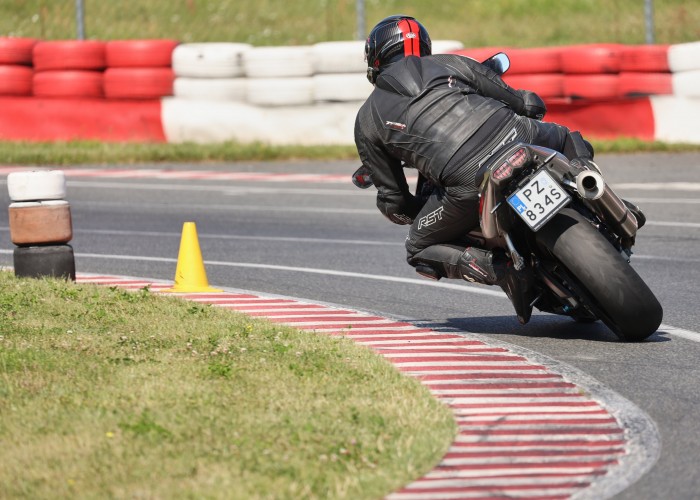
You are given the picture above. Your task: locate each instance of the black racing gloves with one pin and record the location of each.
(533, 105)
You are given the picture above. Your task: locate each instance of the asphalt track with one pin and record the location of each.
(317, 238)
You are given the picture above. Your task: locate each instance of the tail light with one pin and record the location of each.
(517, 160)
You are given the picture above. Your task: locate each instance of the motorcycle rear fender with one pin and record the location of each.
(493, 226)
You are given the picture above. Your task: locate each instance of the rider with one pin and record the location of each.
(444, 115)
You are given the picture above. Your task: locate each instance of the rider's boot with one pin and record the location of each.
(482, 266)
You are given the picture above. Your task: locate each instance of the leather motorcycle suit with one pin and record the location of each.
(444, 115)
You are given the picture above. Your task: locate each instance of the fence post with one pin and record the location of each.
(80, 19)
(360, 9)
(649, 16)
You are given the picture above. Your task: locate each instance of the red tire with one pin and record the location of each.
(641, 84)
(138, 83)
(545, 85)
(16, 80)
(140, 53)
(645, 58)
(591, 59)
(481, 53)
(68, 83)
(69, 55)
(535, 61)
(16, 50)
(591, 86)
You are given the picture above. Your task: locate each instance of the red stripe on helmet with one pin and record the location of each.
(411, 43)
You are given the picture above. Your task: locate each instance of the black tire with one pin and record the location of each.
(627, 305)
(54, 261)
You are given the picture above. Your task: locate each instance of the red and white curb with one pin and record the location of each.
(529, 427)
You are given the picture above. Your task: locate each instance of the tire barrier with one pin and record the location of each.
(69, 55)
(34, 186)
(209, 60)
(138, 83)
(278, 62)
(68, 83)
(686, 84)
(534, 61)
(40, 224)
(270, 92)
(645, 58)
(55, 261)
(591, 87)
(644, 84)
(546, 85)
(684, 57)
(339, 57)
(591, 59)
(139, 53)
(16, 80)
(68, 69)
(573, 80)
(340, 87)
(16, 50)
(217, 89)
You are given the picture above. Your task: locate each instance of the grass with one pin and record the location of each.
(516, 23)
(97, 153)
(112, 394)
(91, 152)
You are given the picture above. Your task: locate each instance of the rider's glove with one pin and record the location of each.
(533, 105)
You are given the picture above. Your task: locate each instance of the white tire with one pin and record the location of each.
(209, 60)
(280, 91)
(339, 57)
(37, 185)
(686, 83)
(446, 46)
(341, 87)
(684, 57)
(217, 89)
(276, 62)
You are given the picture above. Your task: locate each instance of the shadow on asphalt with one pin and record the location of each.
(540, 326)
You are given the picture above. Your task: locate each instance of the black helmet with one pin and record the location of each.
(392, 39)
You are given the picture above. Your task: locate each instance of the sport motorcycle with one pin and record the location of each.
(567, 235)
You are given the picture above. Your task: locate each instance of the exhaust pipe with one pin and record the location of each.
(606, 203)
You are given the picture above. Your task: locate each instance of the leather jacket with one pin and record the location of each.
(422, 110)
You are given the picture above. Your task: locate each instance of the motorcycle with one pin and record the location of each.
(568, 235)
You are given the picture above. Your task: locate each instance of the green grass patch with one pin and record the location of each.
(104, 153)
(106, 393)
(97, 153)
(515, 23)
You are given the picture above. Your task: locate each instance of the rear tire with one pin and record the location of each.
(629, 307)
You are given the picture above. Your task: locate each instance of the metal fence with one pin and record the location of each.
(264, 22)
(360, 31)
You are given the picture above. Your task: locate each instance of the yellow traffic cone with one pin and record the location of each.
(190, 276)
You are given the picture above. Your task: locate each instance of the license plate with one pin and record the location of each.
(539, 200)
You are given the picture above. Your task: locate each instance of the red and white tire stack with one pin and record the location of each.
(16, 70)
(309, 95)
(41, 224)
(612, 90)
